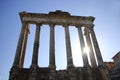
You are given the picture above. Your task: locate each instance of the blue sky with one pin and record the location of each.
(107, 29)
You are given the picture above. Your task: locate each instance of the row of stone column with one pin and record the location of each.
(21, 47)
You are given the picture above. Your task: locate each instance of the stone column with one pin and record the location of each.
(87, 69)
(96, 47)
(89, 44)
(82, 43)
(27, 31)
(52, 47)
(19, 45)
(68, 47)
(102, 69)
(36, 46)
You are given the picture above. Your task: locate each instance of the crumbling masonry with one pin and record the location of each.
(95, 71)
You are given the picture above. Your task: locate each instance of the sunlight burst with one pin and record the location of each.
(86, 49)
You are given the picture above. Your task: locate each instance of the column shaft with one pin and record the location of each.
(19, 45)
(52, 47)
(96, 47)
(82, 43)
(68, 47)
(24, 47)
(89, 44)
(36, 45)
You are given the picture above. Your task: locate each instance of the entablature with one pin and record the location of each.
(57, 17)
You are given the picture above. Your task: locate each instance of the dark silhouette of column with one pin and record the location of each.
(19, 45)
(82, 43)
(96, 47)
(52, 47)
(89, 44)
(24, 46)
(36, 45)
(68, 47)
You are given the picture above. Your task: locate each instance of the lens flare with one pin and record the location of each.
(86, 49)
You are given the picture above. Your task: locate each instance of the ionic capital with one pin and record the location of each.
(86, 31)
(52, 25)
(77, 26)
(24, 22)
(38, 24)
(89, 25)
(65, 25)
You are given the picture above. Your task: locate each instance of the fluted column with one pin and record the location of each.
(82, 43)
(36, 45)
(24, 47)
(19, 45)
(96, 47)
(89, 44)
(52, 47)
(68, 47)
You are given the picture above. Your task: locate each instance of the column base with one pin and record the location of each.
(52, 72)
(34, 67)
(53, 67)
(88, 73)
(33, 72)
(104, 73)
(101, 73)
(14, 72)
(70, 66)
